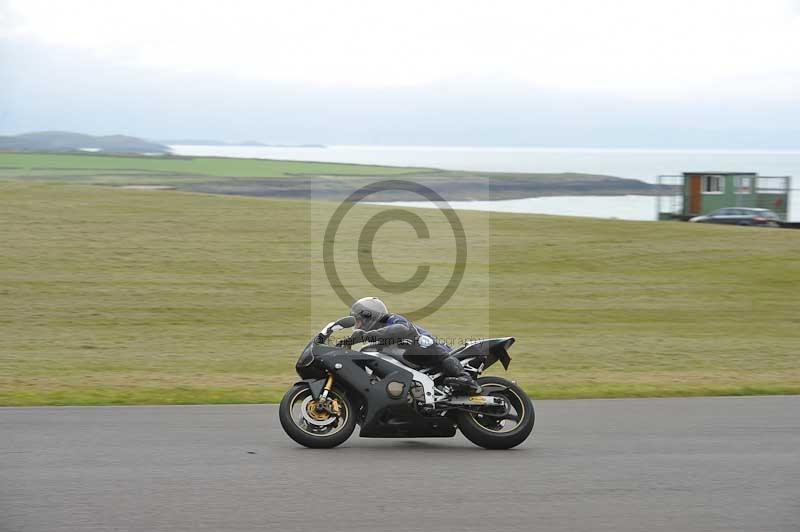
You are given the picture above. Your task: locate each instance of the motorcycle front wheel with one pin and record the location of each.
(309, 426)
(504, 432)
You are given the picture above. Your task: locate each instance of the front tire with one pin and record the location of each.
(316, 433)
(491, 433)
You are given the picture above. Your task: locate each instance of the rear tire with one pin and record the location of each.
(305, 436)
(489, 438)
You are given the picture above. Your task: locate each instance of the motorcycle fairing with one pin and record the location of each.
(368, 375)
(492, 350)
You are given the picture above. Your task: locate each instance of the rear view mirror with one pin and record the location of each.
(346, 322)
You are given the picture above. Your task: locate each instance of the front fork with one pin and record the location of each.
(322, 403)
(327, 388)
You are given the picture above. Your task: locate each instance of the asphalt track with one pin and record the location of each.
(724, 464)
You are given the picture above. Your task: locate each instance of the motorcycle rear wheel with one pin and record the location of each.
(329, 431)
(496, 433)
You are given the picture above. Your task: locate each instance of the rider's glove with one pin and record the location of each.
(356, 337)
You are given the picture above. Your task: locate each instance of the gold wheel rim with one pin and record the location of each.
(323, 415)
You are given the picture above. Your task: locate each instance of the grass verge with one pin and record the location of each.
(138, 297)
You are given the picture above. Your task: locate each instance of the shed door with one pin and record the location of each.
(695, 198)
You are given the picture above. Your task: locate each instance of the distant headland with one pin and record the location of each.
(68, 141)
(214, 142)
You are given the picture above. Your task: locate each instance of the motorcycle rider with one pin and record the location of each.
(375, 324)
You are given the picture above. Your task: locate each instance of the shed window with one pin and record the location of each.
(743, 184)
(713, 184)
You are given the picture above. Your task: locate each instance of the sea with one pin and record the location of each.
(643, 164)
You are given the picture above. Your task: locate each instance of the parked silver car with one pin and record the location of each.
(740, 216)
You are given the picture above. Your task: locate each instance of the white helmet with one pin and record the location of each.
(368, 311)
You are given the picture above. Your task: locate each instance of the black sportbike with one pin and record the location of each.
(390, 397)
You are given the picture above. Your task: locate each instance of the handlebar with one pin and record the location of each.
(329, 329)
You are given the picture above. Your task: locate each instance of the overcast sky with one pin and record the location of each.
(646, 73)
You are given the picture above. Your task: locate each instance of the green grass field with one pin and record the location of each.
(114, 169)
(116, 296)
(275, 178)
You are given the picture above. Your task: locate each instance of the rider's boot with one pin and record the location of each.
(457, 378)
(463, 383)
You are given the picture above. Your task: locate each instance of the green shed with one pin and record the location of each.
(697, 193)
